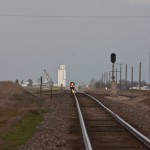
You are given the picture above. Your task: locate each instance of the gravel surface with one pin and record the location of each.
(136, 111)
(53, 132)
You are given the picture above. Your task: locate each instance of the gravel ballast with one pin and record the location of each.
(136, 111)
(53, 133)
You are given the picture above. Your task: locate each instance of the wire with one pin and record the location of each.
(48, 16)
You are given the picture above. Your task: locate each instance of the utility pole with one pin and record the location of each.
(120, 73)
(126, 76)
(107, 79)
(132, 79)
(109, 76)
(116, 76)
(120, 76)
(140, 76)
(104, 80)
(149, 69)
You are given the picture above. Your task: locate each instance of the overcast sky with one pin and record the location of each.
(38, 34)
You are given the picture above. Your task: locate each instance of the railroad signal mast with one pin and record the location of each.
(113, 60)
(113, 83)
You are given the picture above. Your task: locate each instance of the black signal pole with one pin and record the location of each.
(41, 87)
(113, 83)
(113, 60)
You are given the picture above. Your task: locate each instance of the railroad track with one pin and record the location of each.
(101, 131)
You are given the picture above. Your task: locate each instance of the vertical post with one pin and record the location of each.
(107, 79)
(120, 76)
(51, 93)
(149, 69)
(126, 76)
(132, 79)
(113, 83)
(61, 86)
(140, 76)
(104, 80)
(116, 76)
(41, 86)
(113, 77)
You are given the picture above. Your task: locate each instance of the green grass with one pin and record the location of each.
(23, 130)
(5, 115)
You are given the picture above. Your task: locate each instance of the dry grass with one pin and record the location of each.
(122, 92)
(98, 91)
(8, 88)
(137, 97)
(15, 103)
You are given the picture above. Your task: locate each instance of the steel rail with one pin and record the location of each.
(86, 139)
(131, 129)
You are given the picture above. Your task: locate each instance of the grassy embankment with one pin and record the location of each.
(20, 114)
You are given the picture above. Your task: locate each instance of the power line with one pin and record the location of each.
(67, 16)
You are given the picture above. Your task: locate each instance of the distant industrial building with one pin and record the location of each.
(47, 79)
(62, 76)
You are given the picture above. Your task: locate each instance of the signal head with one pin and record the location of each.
(113, 57)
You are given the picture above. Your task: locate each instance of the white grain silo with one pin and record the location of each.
(62, 76)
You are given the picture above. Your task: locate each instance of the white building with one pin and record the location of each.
(62, 76)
